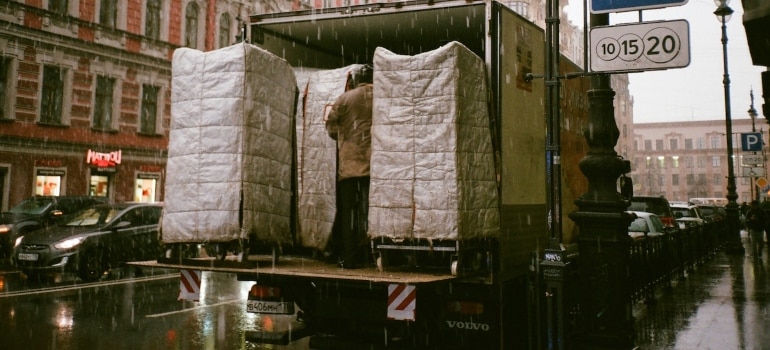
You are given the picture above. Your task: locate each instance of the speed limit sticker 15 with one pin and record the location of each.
(640, 46)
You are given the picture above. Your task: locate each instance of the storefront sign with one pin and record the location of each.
(103, 160)
(146, 176)
(53, 163)
(51, 172)
(150, 168)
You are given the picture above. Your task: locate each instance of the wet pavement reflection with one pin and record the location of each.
(722, 304)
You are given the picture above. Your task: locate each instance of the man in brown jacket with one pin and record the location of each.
(350, 123)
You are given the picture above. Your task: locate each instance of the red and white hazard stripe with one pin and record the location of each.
(402, 301)
(189, 285)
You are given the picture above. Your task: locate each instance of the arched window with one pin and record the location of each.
(191, 26)
(224, 30)
(152, 20)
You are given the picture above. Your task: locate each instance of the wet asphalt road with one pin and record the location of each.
(724, 304)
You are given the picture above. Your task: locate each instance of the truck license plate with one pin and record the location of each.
(28, 256)
(270, 307)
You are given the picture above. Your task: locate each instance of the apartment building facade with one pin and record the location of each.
(683, 160)
(85, 90)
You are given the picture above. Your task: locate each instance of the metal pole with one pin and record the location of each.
(554, 264)
(735, 245)
(606, 320)
(753, 115)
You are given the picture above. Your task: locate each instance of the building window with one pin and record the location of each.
(690, 179)
(688, 144)
(648, 162)
(58, 6)
(636, 145)
(648, 145)
(149, 109)
(520, 7)
(700, 143)
(103, 103)
(701, 162)
(51, 100)
(108, 13)
(661, 180)
(659, 145)
(715, 142)
(715, 161)
(673, 144)
(702, 179)
(6, 87)
(661, 162)
(688, 162)
(675, 161)
(675, 179)
(152, 20)
(717, 179)
(224, 30)
(191, 26)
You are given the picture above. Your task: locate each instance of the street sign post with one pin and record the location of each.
(607, 6)
(752, 159)
(753, 172)
(640, 46)
(751, 141)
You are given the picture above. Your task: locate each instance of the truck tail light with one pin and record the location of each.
(465, 307)
(264, 292)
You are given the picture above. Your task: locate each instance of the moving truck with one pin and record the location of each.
(436, 292)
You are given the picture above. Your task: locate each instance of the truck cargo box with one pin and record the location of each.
(230, 146)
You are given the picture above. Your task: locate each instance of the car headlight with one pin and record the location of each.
(18, 241)
(68, 244)
(5, 228)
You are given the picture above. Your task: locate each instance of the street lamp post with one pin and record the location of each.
(723, 13)
(753, 115)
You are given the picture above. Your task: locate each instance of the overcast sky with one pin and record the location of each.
(695, 92)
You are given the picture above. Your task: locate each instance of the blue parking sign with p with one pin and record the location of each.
(751, 141)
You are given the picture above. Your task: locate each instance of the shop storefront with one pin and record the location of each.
(119, 175)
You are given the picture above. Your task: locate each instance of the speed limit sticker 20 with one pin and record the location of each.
(640, 46)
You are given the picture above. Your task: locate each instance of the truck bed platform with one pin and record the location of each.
(300, 266)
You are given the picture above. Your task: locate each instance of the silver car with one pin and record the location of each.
(93, 241)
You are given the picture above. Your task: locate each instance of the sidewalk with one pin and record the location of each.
(724, 304)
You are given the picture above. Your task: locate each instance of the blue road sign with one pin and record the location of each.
(751, 141)
(607, 6)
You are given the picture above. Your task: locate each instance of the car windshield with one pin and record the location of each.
(32, 206)
(650, 224)
(686, 212)
(639, 225)
(93, 217)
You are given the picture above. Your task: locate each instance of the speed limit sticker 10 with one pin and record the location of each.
(640, 46)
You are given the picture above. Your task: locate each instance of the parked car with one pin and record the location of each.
(645, 225)
(712, 213)
(38, 212)
(93, 241)
(688, 215)
(657, 205)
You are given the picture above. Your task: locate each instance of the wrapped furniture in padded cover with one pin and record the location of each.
(432, 167)
(231, 138)
(317, 156)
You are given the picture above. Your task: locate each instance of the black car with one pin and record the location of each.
(38, 212)
(93, 241)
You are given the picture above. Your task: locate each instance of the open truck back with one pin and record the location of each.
(428, 293)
